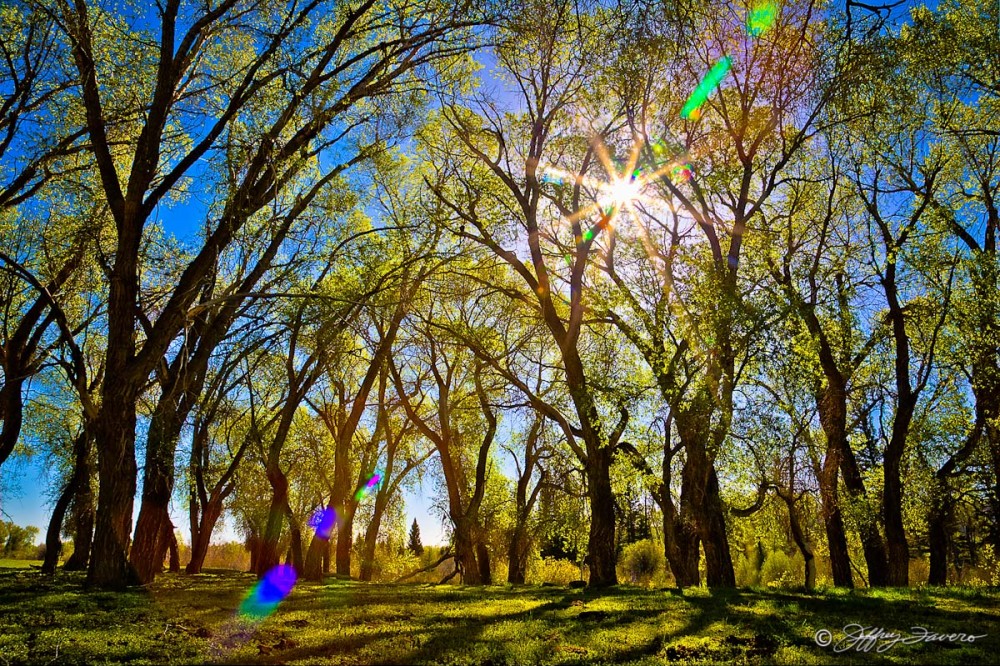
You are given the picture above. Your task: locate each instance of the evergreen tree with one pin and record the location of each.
(414, 545)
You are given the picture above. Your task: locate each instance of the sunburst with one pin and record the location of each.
(625, 187)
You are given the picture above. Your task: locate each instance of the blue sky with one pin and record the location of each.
(28, 487)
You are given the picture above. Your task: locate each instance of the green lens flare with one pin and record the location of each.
(707, 85)
(761, 18)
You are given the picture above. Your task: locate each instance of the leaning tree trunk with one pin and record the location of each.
(150, 545)
(872, 544)
(72, 490)
(53, 544)
(798, 535)
(371, 534)
(82, 521)
(201, 537)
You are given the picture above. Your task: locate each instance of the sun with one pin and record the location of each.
(622, 191)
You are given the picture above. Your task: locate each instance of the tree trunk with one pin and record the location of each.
(517, 555)
(73, 490)
(465, 551)
(876, 557)
(267, 549)
(892, 501)
(171, 540)
(313, 568)
(53, 544)
(253, 546)
(938, 536)
(483, 557)
(12, 408)
(149, 545)
(601, 545)
(719, 570)
(345, 541)
(833, 521)
(82, 520)
(201, 537)
(800, 539)
(371, 536)
(114, 434)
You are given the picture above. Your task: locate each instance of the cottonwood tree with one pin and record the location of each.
(458, 417)
(946, 49)
(297, 86)
(487, 182)
(677, 284)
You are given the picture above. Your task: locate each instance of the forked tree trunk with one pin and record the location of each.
(201, 537)
(149, 545)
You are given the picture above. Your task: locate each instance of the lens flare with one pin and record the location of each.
(681, 173)
(705, 88)
(323, 521)
(761, 18)
(270, 591)
(623, 190)
(370, 485)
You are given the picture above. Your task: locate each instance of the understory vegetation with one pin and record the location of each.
(194, 619)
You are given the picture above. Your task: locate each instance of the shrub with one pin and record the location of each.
(780, 570)
(747, 572)
(551, 570)
(642, 560)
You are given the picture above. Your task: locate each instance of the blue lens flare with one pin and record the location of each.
(270, 591)
(323, 521)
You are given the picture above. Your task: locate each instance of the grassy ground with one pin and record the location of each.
(18, 564)
(184, 619)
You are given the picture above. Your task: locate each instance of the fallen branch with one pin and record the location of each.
(449, 576)
(444, 557)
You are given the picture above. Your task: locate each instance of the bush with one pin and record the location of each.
(747, 572)
(780, 570)
(551, 570)
(641, 561)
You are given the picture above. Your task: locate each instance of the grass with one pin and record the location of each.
(18, 564)
(192, 619)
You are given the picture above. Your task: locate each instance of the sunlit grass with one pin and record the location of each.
(183, 619)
